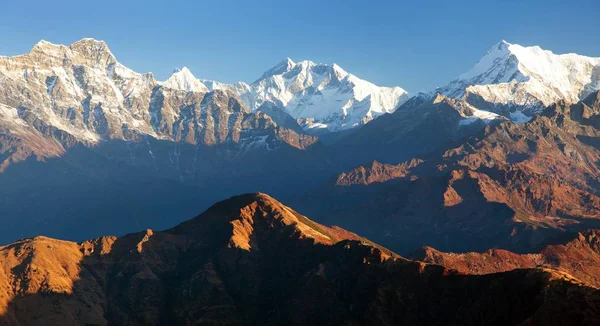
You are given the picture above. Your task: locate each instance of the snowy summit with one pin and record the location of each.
(526, 79)
(323, 97)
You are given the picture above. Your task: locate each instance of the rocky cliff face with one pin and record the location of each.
(251, 260)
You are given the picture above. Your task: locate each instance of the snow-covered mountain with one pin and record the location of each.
(322, 97)
(519, 81)
(58, 96)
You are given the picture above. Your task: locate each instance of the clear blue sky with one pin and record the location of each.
(417, 45)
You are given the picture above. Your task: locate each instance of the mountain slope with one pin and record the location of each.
(510, 186)
(578, 255)
(511, 78)
(251, 260)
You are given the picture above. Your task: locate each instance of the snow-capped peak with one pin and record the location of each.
(183, 79)
(487, 62)
(288, 63)
(283, 66)
(322, 96)
(512, 77)
(184, 70)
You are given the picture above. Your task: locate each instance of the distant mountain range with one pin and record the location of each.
(78, 128)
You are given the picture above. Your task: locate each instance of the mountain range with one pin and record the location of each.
(489, 186)
(77, 128)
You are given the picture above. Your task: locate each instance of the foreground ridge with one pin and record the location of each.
(252, 260)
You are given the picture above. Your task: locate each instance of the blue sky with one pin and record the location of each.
(417, 45)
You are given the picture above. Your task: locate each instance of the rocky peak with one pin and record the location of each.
(374, 172)
(249, 218)
(564, 253)
(586, 112)
(223, 100)
(90, 44)
(96, 52)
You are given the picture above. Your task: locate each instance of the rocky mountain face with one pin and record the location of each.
(511, 186)
(325, 98)
(575, 254)
(251, 260)
(519, 81)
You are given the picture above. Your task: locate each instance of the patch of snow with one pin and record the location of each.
(11, 116)
(518, 117)
(479, 115)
